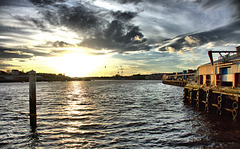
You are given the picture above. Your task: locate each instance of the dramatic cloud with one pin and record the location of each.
(157, 31)
(14, 3)
(144, 1)
(220, 36)
(9, 53)
(6, 30)
(59, 44)
(170, 49)
(79, 18)
(119, 38)
(5, 66)
(124, 16)
(129, 1)
(192, 40)
(117, 35)
(13, 54)
(42, 3)
(32, 22)
(117, 32)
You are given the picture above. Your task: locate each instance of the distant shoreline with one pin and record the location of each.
(18, 76)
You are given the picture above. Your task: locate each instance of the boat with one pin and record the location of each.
(216, 86)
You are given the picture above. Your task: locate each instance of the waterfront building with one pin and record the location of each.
(216, 86)
(223, 72)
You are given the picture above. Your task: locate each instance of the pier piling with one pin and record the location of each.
(223, 101)
(32, 99)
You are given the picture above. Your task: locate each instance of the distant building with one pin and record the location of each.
(15, 72)
(157, 76)
(3, 73)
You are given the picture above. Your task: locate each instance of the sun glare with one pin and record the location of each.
(76, 64)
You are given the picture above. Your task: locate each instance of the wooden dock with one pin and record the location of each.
(175, 82)
(179, 79)
(221, 100)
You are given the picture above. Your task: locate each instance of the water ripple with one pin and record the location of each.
(108, 114)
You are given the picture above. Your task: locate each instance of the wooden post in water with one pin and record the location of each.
(32, 99)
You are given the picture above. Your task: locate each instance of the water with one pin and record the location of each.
(109, 114)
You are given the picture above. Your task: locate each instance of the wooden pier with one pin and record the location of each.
(216, 86)
(180, 78)
(176, 82)
(221, 100)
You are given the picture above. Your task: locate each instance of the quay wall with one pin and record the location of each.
(220, 100)
(175, 82)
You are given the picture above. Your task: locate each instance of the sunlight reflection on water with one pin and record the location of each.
(108, 114)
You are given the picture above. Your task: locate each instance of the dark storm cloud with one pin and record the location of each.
(118, 35)
(236, 5)
(215, 3)
(78, 18)
(59, 44)
(129, 1)
(209, 3)
(56, 52)
(124, 16)
(29, 21)
(4, 66)
(119, 38)
(42, 3)
(17, 3)
(220, 36)
(141, 1)
(34, 52)
(176, 44)
(114, 35)
(11, 29)
(19, 53)
(7, 40)
(158, 3)
(202, 3)
(9, 53)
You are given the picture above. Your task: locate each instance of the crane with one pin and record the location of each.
(220, 53)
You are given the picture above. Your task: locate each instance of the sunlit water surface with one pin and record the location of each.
(109, 114)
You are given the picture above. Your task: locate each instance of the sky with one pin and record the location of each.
(109, 37)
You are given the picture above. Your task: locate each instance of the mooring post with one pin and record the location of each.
(32, 99)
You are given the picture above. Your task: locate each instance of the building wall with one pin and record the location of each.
(206, 69)
(236, 68)
(227, 73)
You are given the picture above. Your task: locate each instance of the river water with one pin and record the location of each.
(109, 114)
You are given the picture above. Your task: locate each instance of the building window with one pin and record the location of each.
(227, 77)
(226, 71)
(201, 79)
(208, 80)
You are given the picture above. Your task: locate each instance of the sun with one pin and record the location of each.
(76, 64)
